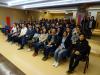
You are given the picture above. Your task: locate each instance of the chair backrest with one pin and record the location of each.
(89, 50)
(87, 56)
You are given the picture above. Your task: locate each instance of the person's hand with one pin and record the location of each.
(19, 36)
(77, 53)
(60, 47)
(49, 43)
(26, 35)
(12, 35)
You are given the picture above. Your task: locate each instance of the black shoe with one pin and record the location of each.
(8, 40)
(20, 48)
(35, 54)
(44, 58)
(69, 72)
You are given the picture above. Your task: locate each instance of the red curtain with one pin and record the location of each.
(79, 19)
(8, 20)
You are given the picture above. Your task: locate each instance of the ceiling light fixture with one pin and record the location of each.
(19, 2)
(57, 3)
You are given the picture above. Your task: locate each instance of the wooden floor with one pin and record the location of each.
(35, 66)
(95, 42)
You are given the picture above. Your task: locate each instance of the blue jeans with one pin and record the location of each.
(59, 54)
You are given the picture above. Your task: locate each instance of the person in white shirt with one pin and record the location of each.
(15, 35)
(12, 32)
(14, 29)
(75, 35)
(23, 30)
(21, 36)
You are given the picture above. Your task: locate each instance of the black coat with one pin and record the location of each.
(67, 42)
(82, 47)
(56, 41)
(93, 24)
(84, 25)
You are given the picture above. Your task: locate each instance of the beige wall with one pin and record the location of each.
(15, 15)
(58, 15)
(35, 15)
(39, 15)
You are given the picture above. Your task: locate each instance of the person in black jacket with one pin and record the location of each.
(52, 43)
(63, 49)
(93, 23)
(91, 26)
(59, 32)
(82, 48)
(84, 25)
(29, 33)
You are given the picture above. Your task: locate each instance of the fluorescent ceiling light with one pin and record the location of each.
(19, 2)
(53, 3)
(56, 3)
(56, 11)
(94, 9)
(67, 10)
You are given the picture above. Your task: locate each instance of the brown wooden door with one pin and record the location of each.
(98, 21)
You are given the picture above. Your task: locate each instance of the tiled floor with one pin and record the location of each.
(35, 66)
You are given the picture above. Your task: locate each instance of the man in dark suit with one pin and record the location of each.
(91, 26)
(30, 32)
(84, 25)
(51, 44)
(82, 48)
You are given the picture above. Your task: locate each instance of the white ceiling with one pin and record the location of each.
(26, 4)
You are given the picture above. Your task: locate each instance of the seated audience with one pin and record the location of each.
(60, 38)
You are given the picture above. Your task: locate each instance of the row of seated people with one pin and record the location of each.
(58, 42)
(87, 24)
